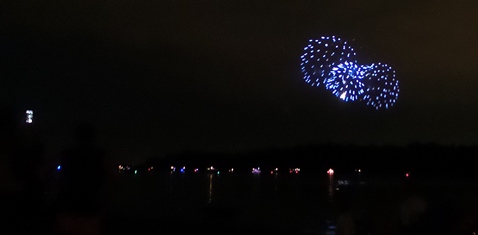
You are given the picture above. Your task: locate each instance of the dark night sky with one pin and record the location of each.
(169, 76)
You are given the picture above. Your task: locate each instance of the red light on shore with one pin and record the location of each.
(407, 174)
(330, 171)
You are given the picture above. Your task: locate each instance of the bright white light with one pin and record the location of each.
(330, 171)
(343, 95)
(29, 118)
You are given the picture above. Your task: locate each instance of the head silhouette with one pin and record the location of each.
(7, 122)
(85, 133)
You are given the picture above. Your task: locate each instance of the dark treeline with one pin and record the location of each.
(421, 159)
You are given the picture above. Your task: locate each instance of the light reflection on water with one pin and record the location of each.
(330, 186)
(275, 199)
(281, 200)
(210, 187)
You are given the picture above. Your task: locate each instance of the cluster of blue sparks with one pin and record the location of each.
(331, 62)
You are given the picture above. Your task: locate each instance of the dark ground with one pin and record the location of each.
(299, 206)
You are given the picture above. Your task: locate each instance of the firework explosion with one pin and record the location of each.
(321, 56)
(331, 61)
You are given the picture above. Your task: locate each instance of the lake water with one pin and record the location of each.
(280, 203)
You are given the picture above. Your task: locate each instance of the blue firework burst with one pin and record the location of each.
(346, 80)
(321, 55)
(332, 61)
(381, 87)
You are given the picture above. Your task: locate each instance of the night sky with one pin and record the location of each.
(160, 77)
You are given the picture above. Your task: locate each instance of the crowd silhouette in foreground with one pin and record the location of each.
(82, 176)
(65, 196)
(37, 199)
(22, 184)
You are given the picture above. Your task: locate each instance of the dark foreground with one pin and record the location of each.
(269, 204)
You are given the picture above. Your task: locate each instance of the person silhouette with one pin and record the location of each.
(21, 191)
(82, 175)
(11, 186)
